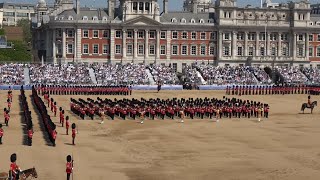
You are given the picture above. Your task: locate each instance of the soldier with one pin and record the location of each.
(73, 126)
(69, 166)
(266, 111)
(259, 113)
(6, 117)
(30, 134)
(1, 133)
(55, 109)
(101, 113)
(14, 168)
(9, 104)
(54, 135)
(67, 125)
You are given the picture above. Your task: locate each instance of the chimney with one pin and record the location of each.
(165, 6)
(78, 6)
(195, 6)
(111, 7)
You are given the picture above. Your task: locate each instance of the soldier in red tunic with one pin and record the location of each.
(30, 134)
(9, 104)
(69, 166)
(73, 126)
(1, 133)
(6, 117)
(14, 168)
(55, 109)
(62, 117)
(67, 125)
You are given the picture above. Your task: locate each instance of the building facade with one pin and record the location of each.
(136, 31)
(11, 13)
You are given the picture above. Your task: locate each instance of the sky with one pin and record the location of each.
(174, 5)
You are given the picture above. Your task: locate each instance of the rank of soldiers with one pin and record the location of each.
(170, 108)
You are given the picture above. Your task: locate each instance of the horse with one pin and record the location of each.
(32, 173)
(305, 105)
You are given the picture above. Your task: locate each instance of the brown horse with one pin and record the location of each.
(24, 175)
(305, 105)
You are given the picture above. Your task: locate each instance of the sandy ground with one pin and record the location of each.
(286, 146)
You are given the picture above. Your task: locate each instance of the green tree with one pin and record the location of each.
(26, 28)
(2, 32)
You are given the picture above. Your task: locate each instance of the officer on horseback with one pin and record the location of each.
(14, 168)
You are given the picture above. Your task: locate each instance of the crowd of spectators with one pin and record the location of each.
(164, 74)
(60, 74)
(12, 74)
(190, 75)
(313, 74)
(226, 75)
(260, 74)
(109, 74)
(292, 75)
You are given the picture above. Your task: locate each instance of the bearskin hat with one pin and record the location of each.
(73, 126)
(51, 99)
(60, 108)
(5, 109)
(309, 97)
(67, 117)
(55, 103)
(53, 126)
(0, 125)
(13, 157)
(8, 100)
(69, 158)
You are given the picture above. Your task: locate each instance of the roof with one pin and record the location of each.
(7, 4)
(188, 16)
(315, 17)
(90, 13)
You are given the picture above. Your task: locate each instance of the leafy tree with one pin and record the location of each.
(26, 28)
(2, 32)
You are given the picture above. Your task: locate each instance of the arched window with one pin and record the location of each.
(85, 18)
(201, 21)
(104, 18)
(183, 20)
(174, 20)
(95, 18)
(61, 18)
(70, 18)
(193, 21)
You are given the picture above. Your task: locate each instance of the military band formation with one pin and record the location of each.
(272, 89)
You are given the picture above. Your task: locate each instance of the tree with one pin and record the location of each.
(26, 28)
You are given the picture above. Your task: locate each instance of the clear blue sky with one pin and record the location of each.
(173, 4)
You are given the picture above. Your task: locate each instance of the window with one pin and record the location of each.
(174, 20)
(174, 35)
(262, 51)
(85, 49)
(140, 6)
(69, 48)
(273, 51)
(212, 35)
(152, 34)
(193, 50)
(310, 37)
(163, 35)
(203, 35)
(96, 49)
(193, 21)
(70, 18)
(212, 50)
(140, 49)
(129, 49)
(174, 50)
(203, 50)
(95, 18)
(262, 37)
(300, 37)
(184, 35)
(273, 37)
(250, 51)
(194, 35)
(226, 50)
(118, 34)
(240, 51)
(69, 33)
(184, 50)
(183, 20)
(118, 49)
(58, 32)
(135, 6)
(251, 37)
(285, 51)
(318, 37)
(105, 33)
(105, 49)
(201, 21)
(104, 18)
(140, 34)
(129, 34)
(300, 51)
(151, 49)
(226, 36)
(147, 6)
(95, 34)
(284, 37)
(318, 51)
(240, 36)
(163, 50)
(85, 33)
(310, 51)
(85, 18)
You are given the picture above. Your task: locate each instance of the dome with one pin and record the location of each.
(42, 3)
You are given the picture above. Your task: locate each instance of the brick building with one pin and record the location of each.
(136, 31)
